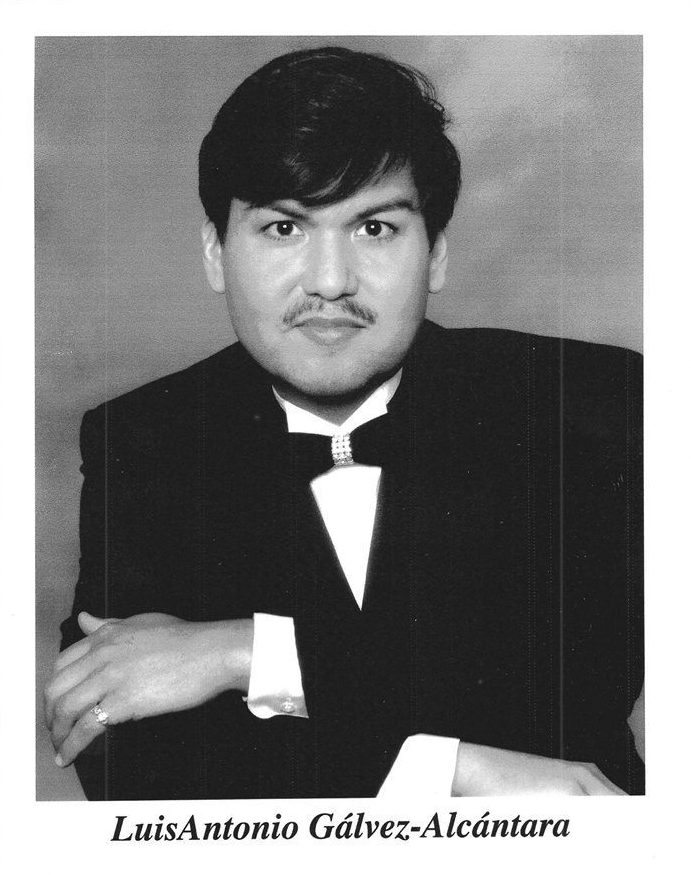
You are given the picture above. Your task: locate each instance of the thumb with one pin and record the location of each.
(88, 623)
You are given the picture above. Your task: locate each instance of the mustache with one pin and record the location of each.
(347, 307)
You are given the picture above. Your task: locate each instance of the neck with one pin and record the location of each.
(333, 409)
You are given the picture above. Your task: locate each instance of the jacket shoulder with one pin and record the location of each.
(504, 344)
(158, 394)
(590, 388)
(173, 409)
(502, 354)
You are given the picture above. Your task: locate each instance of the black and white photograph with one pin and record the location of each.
(357, 551)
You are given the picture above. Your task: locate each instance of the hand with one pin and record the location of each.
(491, 771)
(146, 665)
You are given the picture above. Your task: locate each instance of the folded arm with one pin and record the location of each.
(490, 771)
(144, 666)
(430, 765)
(154, 664)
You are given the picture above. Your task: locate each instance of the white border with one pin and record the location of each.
(632, 835)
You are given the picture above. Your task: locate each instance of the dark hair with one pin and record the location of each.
(316, 125)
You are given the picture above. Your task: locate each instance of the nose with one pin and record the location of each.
(328, 270)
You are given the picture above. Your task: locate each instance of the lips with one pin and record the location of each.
(329, 323)
(326, 331)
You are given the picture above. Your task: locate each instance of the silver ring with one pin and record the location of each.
(102, 716)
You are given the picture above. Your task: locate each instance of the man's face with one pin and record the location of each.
(328, 299)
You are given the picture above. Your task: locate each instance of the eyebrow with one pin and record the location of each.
(403, 203)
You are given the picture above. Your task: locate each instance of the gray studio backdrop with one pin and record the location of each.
(548, 236)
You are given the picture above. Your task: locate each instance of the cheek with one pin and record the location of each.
(254, 291)
(406, 290)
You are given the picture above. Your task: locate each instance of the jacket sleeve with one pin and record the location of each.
(131, 564)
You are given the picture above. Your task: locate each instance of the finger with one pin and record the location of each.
(597, 784)
(75, 703)
(76, 651)
(84, 731)
(89, 623)
(69, 677)
(612, 788)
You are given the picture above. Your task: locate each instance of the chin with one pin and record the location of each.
(335, 388)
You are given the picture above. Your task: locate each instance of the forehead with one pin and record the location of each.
(393, 190)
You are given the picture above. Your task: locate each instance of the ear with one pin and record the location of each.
(437, 265)
(212, 253)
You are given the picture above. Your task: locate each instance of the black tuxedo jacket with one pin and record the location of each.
(503, 602)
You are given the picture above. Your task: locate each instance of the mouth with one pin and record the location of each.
(325, 331)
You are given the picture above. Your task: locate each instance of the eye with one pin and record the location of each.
(282, 229)
(376, 230)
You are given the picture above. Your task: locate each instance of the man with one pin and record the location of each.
(354, 539)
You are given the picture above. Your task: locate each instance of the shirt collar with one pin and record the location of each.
(373, 406)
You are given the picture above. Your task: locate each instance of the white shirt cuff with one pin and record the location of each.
(275, 686)
(425, 766)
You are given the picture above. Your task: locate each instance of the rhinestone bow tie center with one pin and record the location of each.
(341, 451)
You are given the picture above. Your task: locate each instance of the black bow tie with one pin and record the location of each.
(310, 455)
